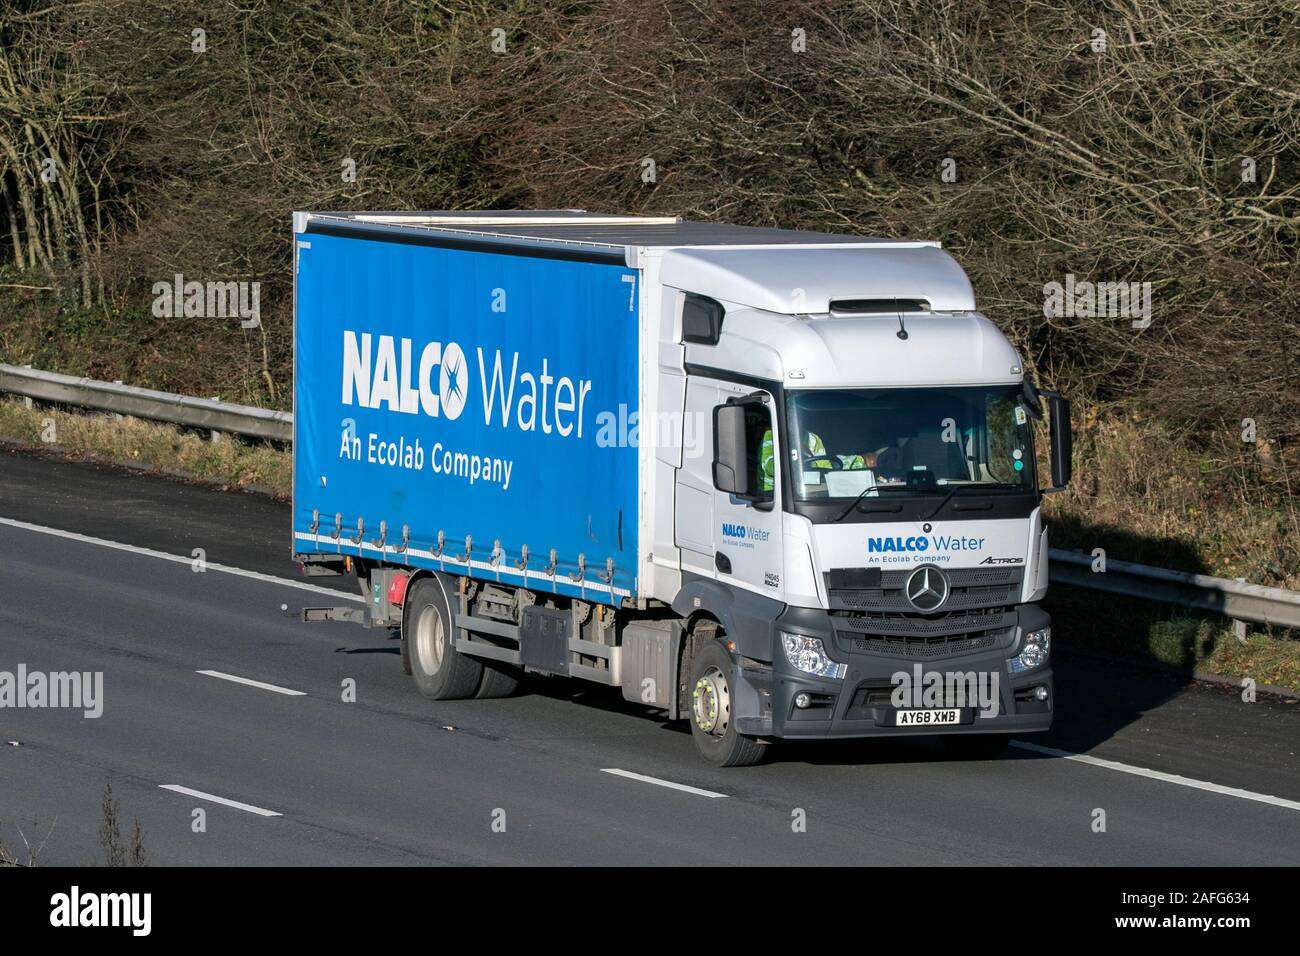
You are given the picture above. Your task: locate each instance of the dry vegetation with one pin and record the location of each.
(1126, 163)
(1147, 490)
(158, 447)
(119, 850)
(29, 855)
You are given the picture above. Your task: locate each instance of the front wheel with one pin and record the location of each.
(713, 726)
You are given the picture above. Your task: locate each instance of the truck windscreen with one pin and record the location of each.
(850, 443)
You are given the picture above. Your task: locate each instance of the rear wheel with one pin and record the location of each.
(499, 680)
(712, 725)
(440, 671)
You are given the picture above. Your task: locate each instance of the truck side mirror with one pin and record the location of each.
(1062, 441)
(730, 454)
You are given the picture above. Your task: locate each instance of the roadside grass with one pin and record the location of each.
(189, 356)
(154, 446)
(1174, 638)
(1143, 493)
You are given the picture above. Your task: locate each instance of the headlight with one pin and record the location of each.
(1038, 645)
(808, 654)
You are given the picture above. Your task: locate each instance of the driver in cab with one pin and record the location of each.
(814, 456)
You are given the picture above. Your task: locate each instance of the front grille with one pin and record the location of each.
(916, 626)
(969, 588)
(921, 649)
(916, 636)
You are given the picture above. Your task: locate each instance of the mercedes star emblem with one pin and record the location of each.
(927, 588)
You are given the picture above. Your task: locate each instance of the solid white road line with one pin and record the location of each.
(662, 783)
(180, 559)
(253, 683)
(199, 794)
(1159, 775)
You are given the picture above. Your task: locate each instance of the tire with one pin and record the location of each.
(440, 671)
(499, 680)
(977, 746)
(712, 727)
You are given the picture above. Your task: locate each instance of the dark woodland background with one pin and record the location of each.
(1123, 156)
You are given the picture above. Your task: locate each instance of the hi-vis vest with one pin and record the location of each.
(815, 447)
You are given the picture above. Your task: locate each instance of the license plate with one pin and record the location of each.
(927, 718)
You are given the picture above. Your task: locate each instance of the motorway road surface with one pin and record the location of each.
(393, 778)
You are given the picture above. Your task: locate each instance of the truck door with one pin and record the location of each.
(747, 547)
(693, 508)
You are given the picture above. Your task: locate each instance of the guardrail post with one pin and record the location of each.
(1238, 626)
(27, 399)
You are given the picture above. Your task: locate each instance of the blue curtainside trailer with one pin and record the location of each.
(465, 409)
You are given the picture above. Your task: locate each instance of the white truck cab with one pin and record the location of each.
(869, 503)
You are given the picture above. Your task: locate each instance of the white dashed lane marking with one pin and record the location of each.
(200, 795)
(662, 783)
(253, 683)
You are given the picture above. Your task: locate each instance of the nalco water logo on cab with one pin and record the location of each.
(905, 549)
(899, 543)
(743, 534)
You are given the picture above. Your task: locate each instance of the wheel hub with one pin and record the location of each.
(711, 703)
(429, 640)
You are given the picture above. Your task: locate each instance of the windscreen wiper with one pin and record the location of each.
(858, 500)
(956, 488)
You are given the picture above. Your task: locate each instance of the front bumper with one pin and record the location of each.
(861, 703)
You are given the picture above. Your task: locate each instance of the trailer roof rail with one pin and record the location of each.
(515, 219)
